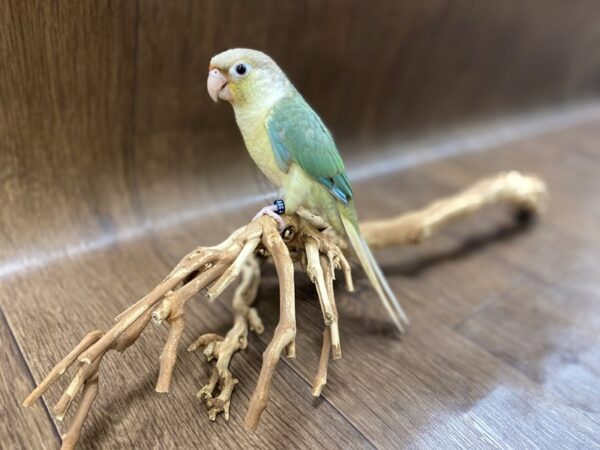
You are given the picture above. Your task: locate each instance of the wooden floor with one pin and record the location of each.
(503, 350)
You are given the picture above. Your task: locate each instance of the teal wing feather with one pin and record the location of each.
(298, 135)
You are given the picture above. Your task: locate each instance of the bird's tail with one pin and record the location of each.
(373, 271)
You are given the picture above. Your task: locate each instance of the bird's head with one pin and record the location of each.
(245, 77)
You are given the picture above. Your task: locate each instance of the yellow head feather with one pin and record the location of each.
(260, 85)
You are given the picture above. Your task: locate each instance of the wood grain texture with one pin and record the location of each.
(114, 163)
(484, 371)
(65, 122)
(466, 59)
(128, 412)
(17, 382)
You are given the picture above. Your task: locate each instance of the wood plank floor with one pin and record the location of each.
(503, 350)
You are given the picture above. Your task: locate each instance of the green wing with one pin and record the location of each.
(298, 135)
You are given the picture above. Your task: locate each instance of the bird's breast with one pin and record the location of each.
(258, 144)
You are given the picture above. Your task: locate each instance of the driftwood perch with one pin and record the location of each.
(318, 253)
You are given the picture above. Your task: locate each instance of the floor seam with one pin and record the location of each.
(23, 362)
(489, 301)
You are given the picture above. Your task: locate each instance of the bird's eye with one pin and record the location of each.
(241, 69)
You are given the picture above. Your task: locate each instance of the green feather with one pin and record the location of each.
(298, 135)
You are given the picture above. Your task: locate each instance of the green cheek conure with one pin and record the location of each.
(293, 148)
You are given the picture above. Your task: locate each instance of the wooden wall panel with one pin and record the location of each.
(105, 122)
(375, 66)
(66, 84)
(373, 70)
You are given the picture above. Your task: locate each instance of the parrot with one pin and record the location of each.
(293, 148)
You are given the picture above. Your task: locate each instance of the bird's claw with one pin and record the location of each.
(271, 211)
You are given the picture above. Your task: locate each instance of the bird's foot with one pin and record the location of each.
(275, 211)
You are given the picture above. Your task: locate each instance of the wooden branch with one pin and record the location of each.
(522, 191)
(223, 349)
(62, 366)
(195, 272)
(321, 376)
(88, 396)
(334, 333)
(319, 251)
(314, 270)
(285, 333)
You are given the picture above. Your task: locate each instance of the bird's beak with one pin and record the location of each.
(217, 86)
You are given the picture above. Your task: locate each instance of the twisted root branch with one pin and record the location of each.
(222, 349)
(305, 240)
(213, 267)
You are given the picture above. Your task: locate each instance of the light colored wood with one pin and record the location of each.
(284, 335)
(127, 391)
(520, 191)
(321, 376)
(222, 349)
(214, 268)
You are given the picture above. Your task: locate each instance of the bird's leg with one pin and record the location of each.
(275, 211)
